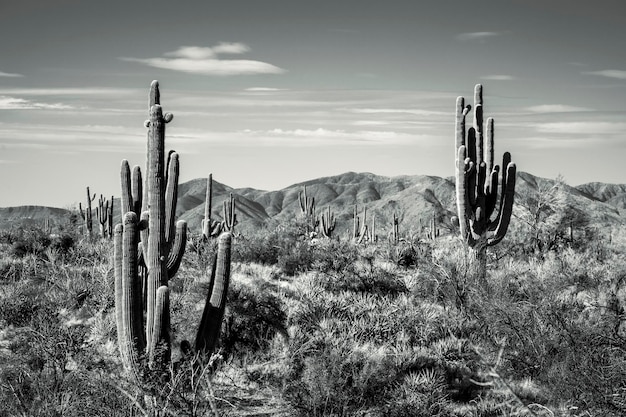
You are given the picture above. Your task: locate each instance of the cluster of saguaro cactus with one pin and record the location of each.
(328, 223)
(210, 228)
(361, 232)
(104, 214)
(477, 179)
(86, 213)
(157, 241)
(307, 208)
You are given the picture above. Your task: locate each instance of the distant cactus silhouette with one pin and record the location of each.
(328, 223)
(86, 214)
(210, 228)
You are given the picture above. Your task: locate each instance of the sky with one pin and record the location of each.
(270, 93)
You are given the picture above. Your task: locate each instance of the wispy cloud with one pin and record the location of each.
(264, 89)
(89, 91)
(556, 108)
(583, 128)
(8, 74)
(499, 77)
(619, 74)
(15, 103)
(476, 36)
(332, 137)
(415, 112)
(206, 61)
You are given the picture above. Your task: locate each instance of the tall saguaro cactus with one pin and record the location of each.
(483, 217)
(143, 327)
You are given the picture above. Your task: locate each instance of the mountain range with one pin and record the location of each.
(414, 199)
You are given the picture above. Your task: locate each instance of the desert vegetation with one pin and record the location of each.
(297, 318)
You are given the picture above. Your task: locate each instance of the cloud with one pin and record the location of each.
(205, 61)
(264, 89)
(14, 103)
(199, 52)
(8, 74)
(89, 91)
(499, 77)
(583, 128)
(331, 137)
(476, 36)
(619, 74)
(556, 108)
(415, 112)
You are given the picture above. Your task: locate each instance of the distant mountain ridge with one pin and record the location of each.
(413, 198)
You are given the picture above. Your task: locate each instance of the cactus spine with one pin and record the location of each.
(477, 179)
(163, 245)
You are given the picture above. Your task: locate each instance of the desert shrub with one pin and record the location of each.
(375, 280)
(254, 316)
(29, 242)
(561, 320)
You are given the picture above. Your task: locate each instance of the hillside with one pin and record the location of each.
(413, 198)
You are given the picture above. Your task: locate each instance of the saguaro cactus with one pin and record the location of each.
(230, 217)
(477, 176)
(210, 228)
(328, 223)
(395, 229)
(143, 326)
(86, 214)
(307, 208)
(104, 214)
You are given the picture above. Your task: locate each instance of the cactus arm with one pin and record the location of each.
(137, 190)
(177, 249)
(208, 206)
(171, 197)
(160, 346)
(489, 150)
(129, 312)
(507, 206)
(127, 203)
(209, 330)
